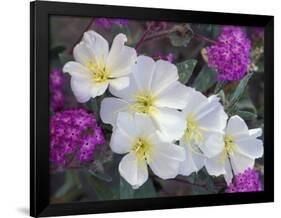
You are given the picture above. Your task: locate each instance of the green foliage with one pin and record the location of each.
(185, 69)
(182, 36)
(246, 115)
(205, 79)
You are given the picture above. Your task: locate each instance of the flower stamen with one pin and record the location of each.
(99, 72)
(192, 132)
(142, 148)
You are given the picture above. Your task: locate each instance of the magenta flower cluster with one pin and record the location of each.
(56, 90)
(108, 23)
(230, 55)
(74, 135)
(248, 181)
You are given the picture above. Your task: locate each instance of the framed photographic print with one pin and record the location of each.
(140, 109)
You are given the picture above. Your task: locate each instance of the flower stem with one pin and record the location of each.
(204, 38)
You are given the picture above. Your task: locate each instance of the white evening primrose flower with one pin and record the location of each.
(153, 90)
(205, 121)
(136, 136)
(241, 148)
(95, 66)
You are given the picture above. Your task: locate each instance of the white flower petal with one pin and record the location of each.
(170, 122)
(214, 166)
(250, 147)
(228, 175)
(192, 163)
(212, 117)
(119, 83)
(133, 171)
(98, 89)
(175, 96)
(195, 100)
(82, 53)
(213, 144)
(126, 122)
(97, 46)
(110, 107)
(165, 74)
(120, 142)
(128, 92)
(255, 132)
(164, 165)
(76, 70)
(121, 58)
(81, 89)
(236, 126)
(241, 162)
(145, 125)
(143, 72)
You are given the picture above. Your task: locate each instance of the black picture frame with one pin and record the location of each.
(39, 108)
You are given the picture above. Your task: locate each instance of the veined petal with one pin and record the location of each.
(175, 96)
(192, 163)
(170, 122)
(121, 58)
(98, 89)
(215, 166)
(128, 92)
(250, 147)
(126, 122)
(76, 70)
(82, 53)
(110, 107)
(240, 162)
(163, 166)
(97, 46)
(143, 72)
(165, 74)
(228, 175)
(236, 126)
(119, 83)
(133, 171)
(81, 89)
(213, 144)
(120, 141)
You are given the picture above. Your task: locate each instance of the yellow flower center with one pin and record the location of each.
(142, 148)
(143, 103)
(99, 72)
(229, 147)
(192, 132)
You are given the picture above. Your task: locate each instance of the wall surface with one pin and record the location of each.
(14, 110)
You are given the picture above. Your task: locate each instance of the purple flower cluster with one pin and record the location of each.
(230, 55)
(108, 23)
(248, 181)
(74, 135)
(55, 86)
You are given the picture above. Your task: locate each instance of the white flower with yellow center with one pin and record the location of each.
(136, 136)
(155, 91)
(205, 122)
(95, 67)
(241, 148)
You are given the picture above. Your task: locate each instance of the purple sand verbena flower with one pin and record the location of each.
(74, 135)
(108, 23)
(230, 55)
(248, 181)
(56, 79)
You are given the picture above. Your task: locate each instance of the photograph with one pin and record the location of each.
(154, 109)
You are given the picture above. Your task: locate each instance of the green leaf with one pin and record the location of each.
(240, 89)
(126, 190)
(65, 57)
(55, 51)
(246, 115)
(181, 37)
(185, 69)
(205, 79)
(147, 190)
(103, 190)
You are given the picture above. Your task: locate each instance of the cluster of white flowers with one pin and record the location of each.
(151, 111)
